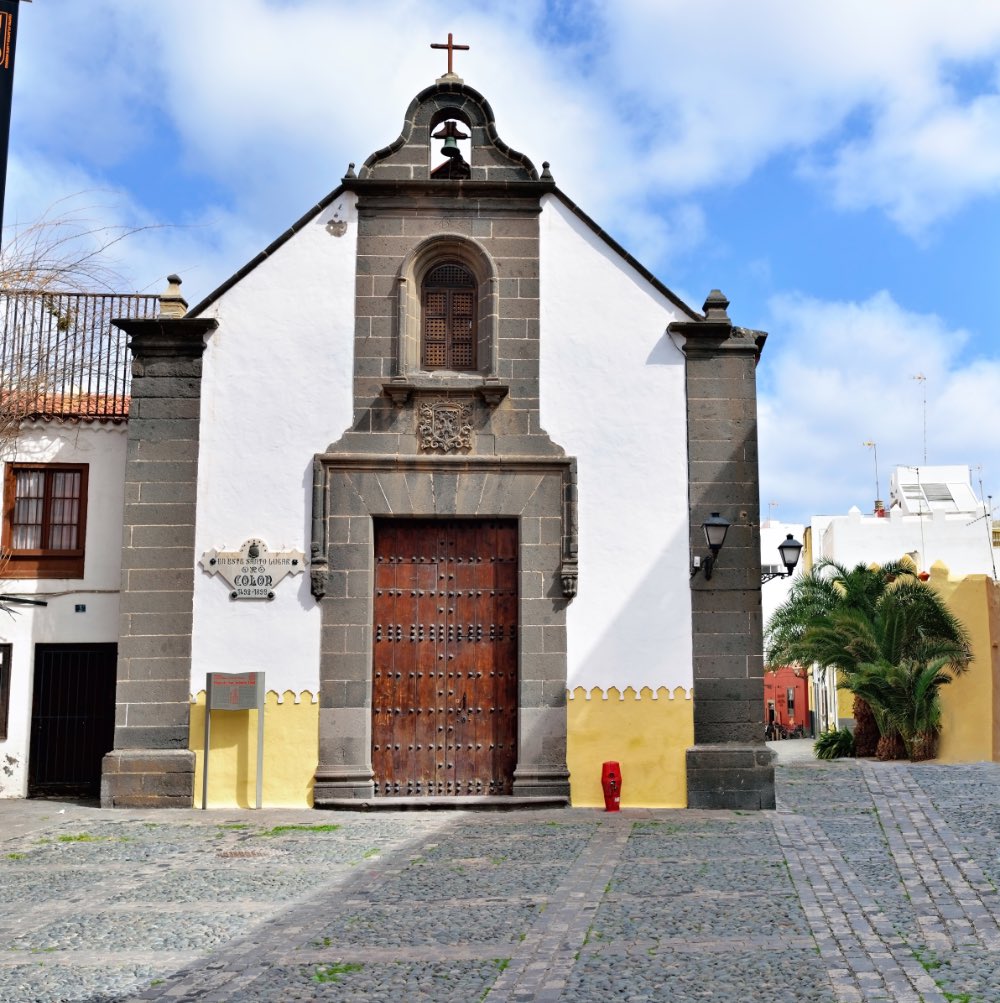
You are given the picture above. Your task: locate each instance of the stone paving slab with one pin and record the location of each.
(871, 882)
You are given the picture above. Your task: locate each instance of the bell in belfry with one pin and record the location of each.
(451, 134)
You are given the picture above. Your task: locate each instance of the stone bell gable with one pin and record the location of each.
(407, 158)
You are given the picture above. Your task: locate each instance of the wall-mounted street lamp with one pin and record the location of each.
(715, 528)
(789, 550)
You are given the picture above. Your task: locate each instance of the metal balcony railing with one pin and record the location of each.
(60, 355)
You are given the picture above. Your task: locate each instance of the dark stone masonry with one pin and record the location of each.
(151, 765)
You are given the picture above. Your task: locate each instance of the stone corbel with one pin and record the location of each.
(318, 571)
(398, 391)
(492, 392)
(569, 573)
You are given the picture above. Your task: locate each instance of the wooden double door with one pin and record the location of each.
(444, 686)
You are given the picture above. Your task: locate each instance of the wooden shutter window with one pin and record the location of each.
(449, 319)
(44, 520)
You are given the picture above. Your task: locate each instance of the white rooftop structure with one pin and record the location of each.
(917, 490)
(933, 516)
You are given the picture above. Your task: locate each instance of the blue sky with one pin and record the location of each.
(833, 167)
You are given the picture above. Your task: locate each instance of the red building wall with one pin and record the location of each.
(787, 694)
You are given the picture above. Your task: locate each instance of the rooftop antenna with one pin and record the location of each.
(879, 506)
(989, 530)
(771, 506)
(923, 544)
(922, 380)
(988, 517)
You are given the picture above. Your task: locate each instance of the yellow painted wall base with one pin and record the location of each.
(291, 752)
(648, 736)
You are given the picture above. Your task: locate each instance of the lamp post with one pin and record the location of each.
(789, 549)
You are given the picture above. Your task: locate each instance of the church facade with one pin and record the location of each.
(437, 463)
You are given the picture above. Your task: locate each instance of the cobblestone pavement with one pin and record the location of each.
(870, 882)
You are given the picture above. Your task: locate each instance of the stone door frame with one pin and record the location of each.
(348, 492)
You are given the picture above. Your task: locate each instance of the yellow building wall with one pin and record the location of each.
(845, 704)
(646, 734)
(970, 705)
(291, 752)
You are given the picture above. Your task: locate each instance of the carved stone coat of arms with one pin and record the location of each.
(445, 426)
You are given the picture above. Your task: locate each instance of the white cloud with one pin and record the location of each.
(863, 92)
(645, 101)
(924, 165)
(836, 375)
(85, 76)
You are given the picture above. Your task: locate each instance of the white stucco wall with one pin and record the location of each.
(613, 395)
(276, 389)
(103, 448)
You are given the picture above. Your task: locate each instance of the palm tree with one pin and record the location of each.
(907, 697)
(866, 616)
(825, 588)
(896, 660)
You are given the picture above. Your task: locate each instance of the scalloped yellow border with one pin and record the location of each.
(646, 731)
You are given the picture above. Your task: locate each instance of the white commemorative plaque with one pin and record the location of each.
(253, 571)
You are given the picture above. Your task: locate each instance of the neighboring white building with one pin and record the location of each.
(772, 535)
(822, 690)
(65, 373)
(933, 515)
(79, 624)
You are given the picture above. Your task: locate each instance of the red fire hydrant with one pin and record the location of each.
(611, 781)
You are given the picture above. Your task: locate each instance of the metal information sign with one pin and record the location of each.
(234, 691)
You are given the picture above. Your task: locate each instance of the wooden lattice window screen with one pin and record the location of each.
(449, 328)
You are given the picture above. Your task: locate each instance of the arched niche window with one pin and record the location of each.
(447, 310)
(449, 302)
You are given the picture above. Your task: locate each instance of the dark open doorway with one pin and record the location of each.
(72, 718)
